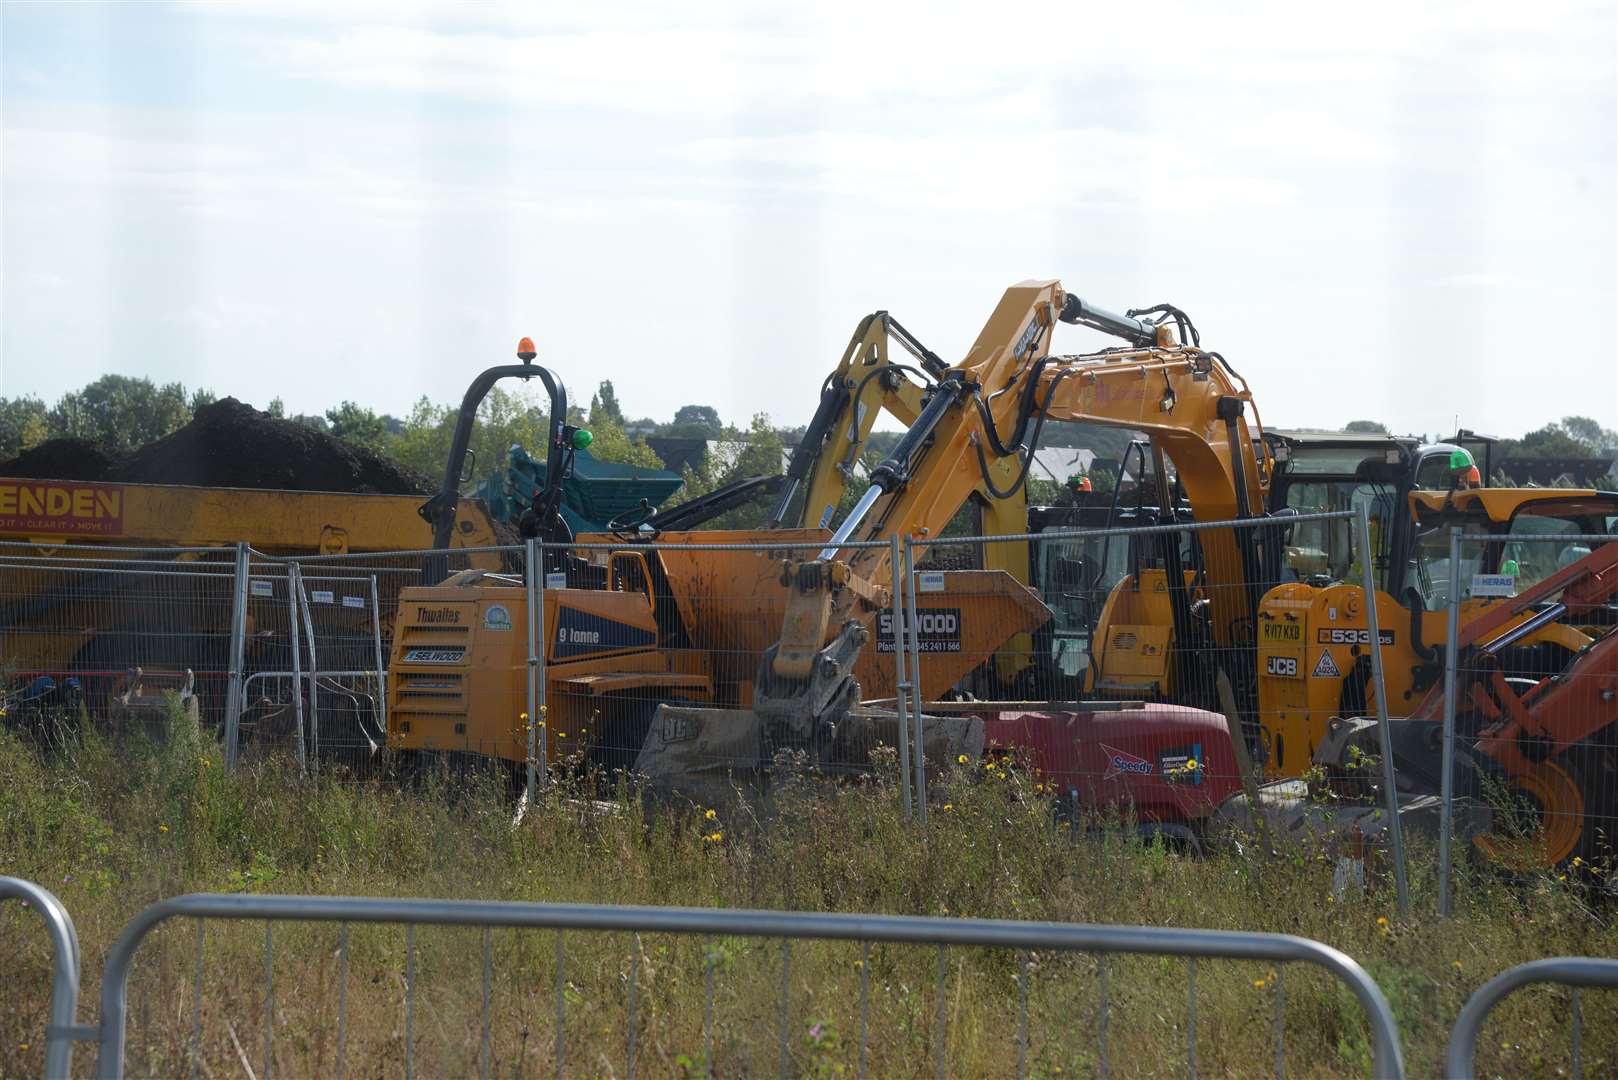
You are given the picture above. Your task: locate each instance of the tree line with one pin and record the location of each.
(123, 412)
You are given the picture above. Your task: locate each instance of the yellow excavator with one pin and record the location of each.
(975, 419)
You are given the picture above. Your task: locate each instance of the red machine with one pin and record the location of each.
(1168, 765)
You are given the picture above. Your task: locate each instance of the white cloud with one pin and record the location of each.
(651, 189)
(1007, 173)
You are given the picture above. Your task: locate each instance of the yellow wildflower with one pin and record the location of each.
(711, 815)
(162, 828)
(962, 759)
(1382, 920)
(949, 806)
(1258, 984)
(524, 716)
(714, 837)
(1191, 764)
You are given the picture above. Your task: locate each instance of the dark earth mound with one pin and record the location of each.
(229, 444)
(62, 459)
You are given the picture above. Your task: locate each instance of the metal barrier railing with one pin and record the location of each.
(61, 1032)
(942, 932)
(1574, 971)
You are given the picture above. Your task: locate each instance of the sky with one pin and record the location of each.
(1401, 212)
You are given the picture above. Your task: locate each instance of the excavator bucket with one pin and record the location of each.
(715, 757)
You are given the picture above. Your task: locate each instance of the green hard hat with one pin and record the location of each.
(1509, 567)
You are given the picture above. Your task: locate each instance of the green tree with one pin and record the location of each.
(1597, 439)
(758, 451)
(604, 405)
(201, 398)
(358, 424)
(1365, 427)
(121, 411)
(696, 421)
(1547, 442)
(504, 419)
(611, 444)
(22, 425)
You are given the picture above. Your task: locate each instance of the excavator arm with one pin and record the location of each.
(984, 414)
(865, 383)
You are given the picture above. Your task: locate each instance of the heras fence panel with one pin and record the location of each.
(116, 637)
(326, 625)
(1527, 710)
(589, 1025)
(1160, 670)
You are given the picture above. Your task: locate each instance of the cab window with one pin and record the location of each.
(1433, 473)
(1325, 551)
(1429, 564)
(1538, 560)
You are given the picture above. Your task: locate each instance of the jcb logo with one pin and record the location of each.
(1285, 667)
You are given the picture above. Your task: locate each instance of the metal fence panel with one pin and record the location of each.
(60, 1031)
(1574, 971)
(710, 923)
(111, 633)
(1529, 712)
(1163, 669)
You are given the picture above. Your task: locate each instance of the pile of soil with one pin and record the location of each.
(228, 444)
(62, 459)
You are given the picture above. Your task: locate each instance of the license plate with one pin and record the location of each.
(433, 656)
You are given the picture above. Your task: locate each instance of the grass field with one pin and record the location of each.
(111, 828)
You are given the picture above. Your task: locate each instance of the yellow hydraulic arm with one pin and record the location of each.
(867, 382)
(986, 411)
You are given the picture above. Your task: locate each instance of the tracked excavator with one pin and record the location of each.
(973, 419)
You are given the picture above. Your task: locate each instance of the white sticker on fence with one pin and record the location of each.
(321, 596)
(354, 601)
(556, 579)
(931, 581)
(1493, 584)
(260, 587)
